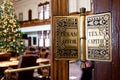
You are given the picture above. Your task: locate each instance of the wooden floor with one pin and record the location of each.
(75, 71)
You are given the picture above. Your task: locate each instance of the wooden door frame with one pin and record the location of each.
(59, 68)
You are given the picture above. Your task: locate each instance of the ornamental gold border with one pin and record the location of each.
(60, 50)
(100, 51)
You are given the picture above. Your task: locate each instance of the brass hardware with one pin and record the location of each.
(8, 71)
(66, 37)
(82, 37)
(99, 37)
(25, 69)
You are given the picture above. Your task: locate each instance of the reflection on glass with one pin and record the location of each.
(46, 11)
(40, 12)
(34, 41)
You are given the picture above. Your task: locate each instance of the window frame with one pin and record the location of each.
(43, 8)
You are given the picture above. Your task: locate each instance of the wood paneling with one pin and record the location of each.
(60, 68)
(110, 70)
(102, 6)
(34, 22)
(78, 13)
(116, 39)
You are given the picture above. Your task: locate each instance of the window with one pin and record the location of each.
(34, 40)
(40, 36)
(44, 38)
(44, 11)
(20, 16)
(30, 15)
(47, 39)
(40, 12)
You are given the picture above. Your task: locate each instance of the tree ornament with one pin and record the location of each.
(10, 35)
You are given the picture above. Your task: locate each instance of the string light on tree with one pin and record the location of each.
(10, 35)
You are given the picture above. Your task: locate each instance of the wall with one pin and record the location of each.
(22, 6)
(75, 5)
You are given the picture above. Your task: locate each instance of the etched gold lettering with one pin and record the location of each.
(67, 34)
(95, 33)
(68, 41)
(96, 41)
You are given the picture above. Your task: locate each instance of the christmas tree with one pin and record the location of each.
(10, 34)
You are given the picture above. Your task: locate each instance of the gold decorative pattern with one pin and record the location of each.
(66, 37)
(98, 37)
